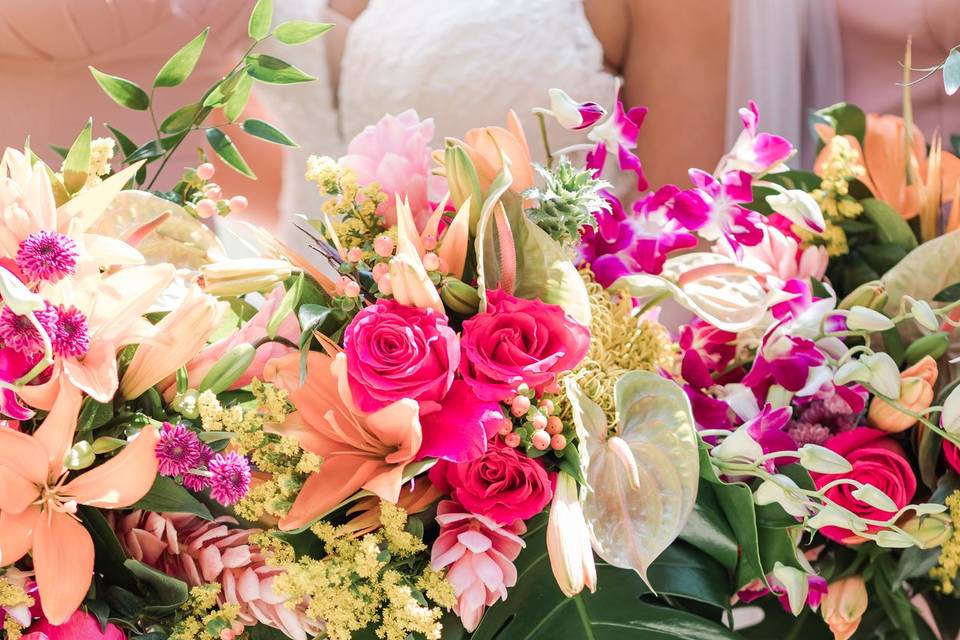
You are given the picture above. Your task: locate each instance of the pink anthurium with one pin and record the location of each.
(38, 501)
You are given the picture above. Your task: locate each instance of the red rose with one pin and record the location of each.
(877, 460)
(952, 455)
(519, 341)
(502, 484)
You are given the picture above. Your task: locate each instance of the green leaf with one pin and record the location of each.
(76, 165)
(147, 151)
(165, 594)
(237, 101)
(274, 70)
(180, 65)
(93, 415)
(228, 152)
(537, 609)
(266, 131)
(846, 119)
(122, 91)
(951, 72)
(708, 530)
(167, 495)
(127, 146)
(289, 302)
(181, 119)
(260, 19)
(297, 32)
(316, 317)
(109, 555)
(890, 225)
(948, 294)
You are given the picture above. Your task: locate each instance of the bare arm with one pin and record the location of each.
(673, 57)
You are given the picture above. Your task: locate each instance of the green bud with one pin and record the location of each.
(459, 297)
(107, 444)
(932, 530)
(229, 368)
(80, 456)
(186, 404)
(463, 182)
(933, 345)
(872, 295)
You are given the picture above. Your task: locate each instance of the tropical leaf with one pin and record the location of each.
(167, 496)
(124, 92)
(266, 131)
(180, 65)
(297, 32)
(642, 480)
(223, 146)
(890, 226)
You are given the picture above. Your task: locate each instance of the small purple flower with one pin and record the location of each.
(19, 333)
(177, 450)
(47, 255)
(199, 481)
(755, 153)
(71, 339)
(230, 477)
(619, 133)
(713, 209)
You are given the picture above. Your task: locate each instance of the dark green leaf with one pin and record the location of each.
(274, 70)
(122, 91)
(846, 119)
(892, 597)
(948, 294)
(127, 146)
(164, 593)
(109, 555)
(297, 32)
(93, 415)
(181, 119)
(76, 165)
(167, 495)
(60, 151)
(263, 632)
(123, 602)
(147, 151)
(890, 225)
(260, 19)
(933, 345)
(228, 152)
(708, 530)
(266, 131)
(951, 72)
(893, 344)
(237, 102)
(180, 65)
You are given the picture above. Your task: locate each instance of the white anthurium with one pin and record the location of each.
(739, 446)
(775, 492)
(819, 459)
(642, 478)
(800, 208)
(795, 583)
(924, 314)
(872, 496)
(866, 319)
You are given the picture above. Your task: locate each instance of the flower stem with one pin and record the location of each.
(543, 136)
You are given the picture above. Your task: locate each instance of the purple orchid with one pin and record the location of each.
(768, 429)
(571, 114)
(794, 363)
(713, 209)
(816, 590)
(753, 152)
(619, 134)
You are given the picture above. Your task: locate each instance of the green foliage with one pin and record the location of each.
(567, 201)
(76, 164)
(180, 65)
(124, 92)
(274, 70)
(297, 32)
(260, 18)
(167, 496)
(223, 146)
(846, 119)
(266, 131)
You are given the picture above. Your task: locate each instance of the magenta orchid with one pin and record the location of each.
(816, 590)
(571, 114)
(618, 134)
(713, 209)
(754, 152)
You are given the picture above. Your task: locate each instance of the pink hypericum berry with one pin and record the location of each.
(506, 427)
(379, 270)
(540, 440)
(383, 246)
(558, 442)
(206, 208)
(547, 406)
(431, 262)
(238, 204)
(512, 440)
(554, 425)
(206, 171)
(519, 405)
(539, 421)
(384, 285)
(352, 289)
(341, 285)
(355, 254)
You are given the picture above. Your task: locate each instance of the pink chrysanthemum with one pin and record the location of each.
(71, 339)
(47, 255)
(19, 333)
(199, 481)
(178, 450)
(230, 477)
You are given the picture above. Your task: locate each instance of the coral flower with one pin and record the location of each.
(38, 502)
(359, 451)
(485, 145)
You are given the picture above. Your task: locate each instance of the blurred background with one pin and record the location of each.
(466, 62)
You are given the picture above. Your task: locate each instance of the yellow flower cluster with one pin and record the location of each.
(834, 197)
(204, 619)
(12, 628)
(13, 595)
(360, 582)
(620, 342)
(101, 153)
(281, 457)
(351, 209)
(949, 562)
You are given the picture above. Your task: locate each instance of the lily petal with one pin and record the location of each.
(339, 477)
(23, 455)
(96, 373)
(453, 249)
(16, 534)
(56, 432)
(63, 561)
(122, 480)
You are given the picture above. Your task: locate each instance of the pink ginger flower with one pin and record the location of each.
(478, 554)
(753, 152)
(200, 552)
(395, 153)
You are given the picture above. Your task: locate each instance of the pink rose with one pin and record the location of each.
(80, 626)
(502, 484)
(519, 341)
(877, 460)
(396, 352)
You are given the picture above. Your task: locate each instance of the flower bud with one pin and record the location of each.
(876, 369)
(933, 345)
(869, 494)
(186, 404)
(739, 446)
(866, 319)
(80, 456)
(795, 583)
(229, 368)
(931, 530)
(923, 315)
(819, 459)
(459, 297)
(872, 295)
(463, 182)
(800, 208)
(950, 416)
(916, 394)
(247, 275)
(571, 114)
(775, 492)
(568, 540)
(844, 605)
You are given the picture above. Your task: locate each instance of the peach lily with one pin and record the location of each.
(359, 451)
(38, 503)
(486, 147)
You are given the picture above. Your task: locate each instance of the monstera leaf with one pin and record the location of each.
(725, 294)
(642, 478)
(622, 607)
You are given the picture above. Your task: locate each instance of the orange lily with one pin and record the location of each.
(359, 451)
(37, 504)
(486, 147)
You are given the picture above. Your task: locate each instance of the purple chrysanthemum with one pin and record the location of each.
(178, 450)
(19, 333)
(199, 481)
(71, 339)
(47, 255)
(230, 478)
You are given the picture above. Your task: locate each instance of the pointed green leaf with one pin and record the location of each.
(167, 495)
(60, 151)
(274, 70)
(228, 152)
(181, 119)
(122, 91)
(127, 146)
(237, 102)
(297, 32)
(951, 72)
(266, 131)
(76, 165)
(180, 65)
(260, 19)
(290, 300)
